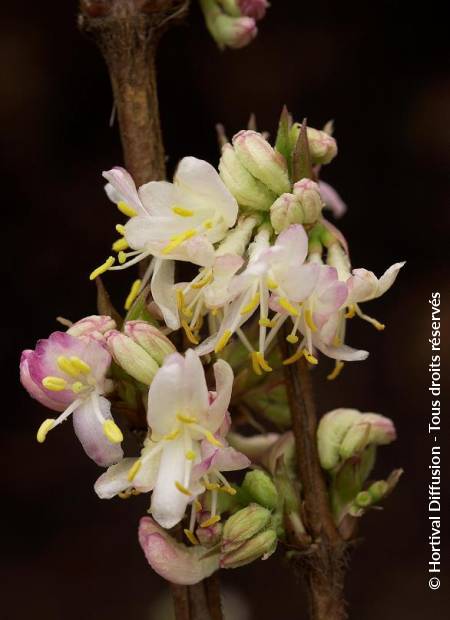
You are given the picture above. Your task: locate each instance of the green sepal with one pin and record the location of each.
(301, 159)
(104, 303)
(282, 142)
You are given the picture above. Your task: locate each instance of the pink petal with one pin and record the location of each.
(332, 199)
(124, 185)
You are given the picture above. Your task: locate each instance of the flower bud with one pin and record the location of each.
(248, 191)
(131, 357)
(253, 8)
(286, 210)
(308, 194)
(378, 490)
(245, 524)
(228, 30)
(331, 432)
(260, 546)
(262, 161)
(260, 487)
(211, 535)
(150, 339)
(322, 146)
(94, 326)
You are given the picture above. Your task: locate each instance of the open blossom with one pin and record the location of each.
(68, 374)
(174, 463)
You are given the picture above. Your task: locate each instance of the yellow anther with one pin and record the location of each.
(271, 283)
(190, 455)
(203, 282)
(212, 486)
(186, 419)
(182, 211)
(379, 326)
(211, 521)
(212, 440)
(120, 229)
(66, 366)
(134, 292)
(310, 357)
(109, 262)
(54, 384)
(126, 209)
(208, 224)
(255, 363)
(215, 312)
(351, 311)
(134, 469)
(80, 365)
(120, 244)
(198, 324)
(223, 341)
(112, 431)
(284, 303)
(337, 341)
(181, 303)
(44, 428)
(178, 240)
(173, 435)
(191, 536)
(251, 305)
(122, 258)
(266, 323)
(262, 362)
(294, 358)
(189, 335)
(336, 371)
(198, 507)
(182, 488)
(125, 494)
(228, 489)
(292, 338)
(77, 387)
(310, 321)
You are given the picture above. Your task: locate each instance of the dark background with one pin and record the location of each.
(378, 70)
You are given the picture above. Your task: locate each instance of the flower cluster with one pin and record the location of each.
(259, 262)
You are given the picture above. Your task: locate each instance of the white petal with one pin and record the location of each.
(223, 374)
(299, 284)
(344, 353)
(122, 182)
(195, 394)
(293, 242)
(163, 291)
(165, 399)
(168, 503)
(89, 431)
(115, 479)
(158, 197)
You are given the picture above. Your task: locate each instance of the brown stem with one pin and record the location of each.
(324, 563)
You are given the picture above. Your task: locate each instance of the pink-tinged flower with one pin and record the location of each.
(269, 269)
(253, 8)
(172, 560)
(92, 327)
(332, 200)
(68, 374)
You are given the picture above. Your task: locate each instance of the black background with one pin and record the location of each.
(378, 69)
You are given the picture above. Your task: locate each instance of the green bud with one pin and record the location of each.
(260, 487)
(322, 146)
(363, 499)
(261, 545)
(378, 490)
(331, 432)
(150, 339)
(286, 210)
(245, 524)
(131, 357)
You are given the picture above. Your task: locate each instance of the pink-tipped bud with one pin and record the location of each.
(322, 146)
(131, 357)
(93, 327)
(151, 339)
(227, 25)
(253, 8)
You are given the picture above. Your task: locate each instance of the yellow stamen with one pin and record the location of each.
(44, 428)
(251, 305)
(336, 371)
(182, 489)
(271, 283)
(186, 419)
(54, 384)
(228, 490)
(190, 455)
(350, 312)
(120, 229)
(284, 303)
(294, 358)
(80, 365)
(126, 209)
(337, 341)
(191, 537)
(134, 292)
(109, 262)
(379, 326)
(208, 224)
(198, 507)
(173, 435)
(310, 321)
(212, 440)
(215, 312)
(120, 244)
(255, 363)
(77, 387)
(212, 486)
(266, 323)
(223, 341)
(182, 211)
(292, 338)
(203, 282)
(66, 366)
(211, 521)
(178, 240)
(189, 335)
(112, 431)
(262, 362)
(134, 469)
(181, 304)
(310, 357)
(122, 257)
